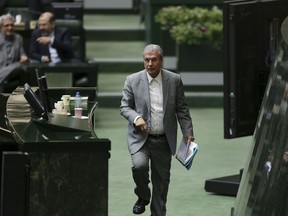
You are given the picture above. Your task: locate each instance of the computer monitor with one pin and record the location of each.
(251, 36)
(34, 101)
(41, 106)
(43, 90)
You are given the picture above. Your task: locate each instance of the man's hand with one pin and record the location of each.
(45, 59)
(189, 139)
(44, 40)
(141, 125)
(23, 59)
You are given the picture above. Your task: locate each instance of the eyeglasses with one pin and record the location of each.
(153, 60)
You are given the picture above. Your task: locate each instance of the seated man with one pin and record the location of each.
(12, 53)
(50, 43)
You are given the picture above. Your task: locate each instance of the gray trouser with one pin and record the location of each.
(159, 154)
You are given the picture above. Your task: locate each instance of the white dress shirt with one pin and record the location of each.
(156, 99)
(53, 52)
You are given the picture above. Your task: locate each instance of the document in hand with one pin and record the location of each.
(186, 153)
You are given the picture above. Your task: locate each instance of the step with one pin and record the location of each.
(119, 65)
(114, 49)
(112, 21)
(199, 99)
(116, 56)
(108, 4)
(197, 81)
(113, 27)
(130, 65)
(114, 34)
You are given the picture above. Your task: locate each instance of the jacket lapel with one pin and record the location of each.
(144, 88)
(165, 89)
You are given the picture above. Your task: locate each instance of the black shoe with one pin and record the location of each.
(139, 206)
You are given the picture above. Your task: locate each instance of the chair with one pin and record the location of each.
(70, 15)
(84, 73)
(78, 36)
(21, 7)
(13, 80)
(68, 10)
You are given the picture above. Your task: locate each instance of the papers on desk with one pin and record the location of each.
(186, 153)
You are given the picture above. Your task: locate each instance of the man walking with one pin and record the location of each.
(153, 101)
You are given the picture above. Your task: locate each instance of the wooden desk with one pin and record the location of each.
(63, 170)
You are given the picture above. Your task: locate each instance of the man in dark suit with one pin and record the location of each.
(153, 101)
(50, 43)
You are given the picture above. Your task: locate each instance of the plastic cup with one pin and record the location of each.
(78, 112)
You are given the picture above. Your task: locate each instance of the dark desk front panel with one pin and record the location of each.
(69, 183)
(14, 181)
(56, 181)
(68, 171)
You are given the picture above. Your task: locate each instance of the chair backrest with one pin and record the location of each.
(78, 36)
(16, 3)
(18, 7)
(68, 10)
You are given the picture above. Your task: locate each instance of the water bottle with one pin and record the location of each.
(77, 100)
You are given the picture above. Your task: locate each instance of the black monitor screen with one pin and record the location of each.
(251, 36)
(33, 101)
(43, 90)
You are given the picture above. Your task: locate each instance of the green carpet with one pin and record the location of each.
(217, 157)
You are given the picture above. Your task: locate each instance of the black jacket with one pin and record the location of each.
(62, 43)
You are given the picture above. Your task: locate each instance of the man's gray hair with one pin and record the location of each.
(5, 17)
(153, 48)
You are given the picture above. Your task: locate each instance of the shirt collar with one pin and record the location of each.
(158, 78)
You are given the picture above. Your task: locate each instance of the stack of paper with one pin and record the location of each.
(186, 153)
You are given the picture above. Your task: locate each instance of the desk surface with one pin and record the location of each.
(34, 133)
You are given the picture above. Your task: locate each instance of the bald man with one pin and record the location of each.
(50, 43)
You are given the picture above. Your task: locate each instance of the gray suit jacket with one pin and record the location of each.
(16, 51)
(9, 66)
(136, 102)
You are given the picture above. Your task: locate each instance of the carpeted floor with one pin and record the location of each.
(217, 157)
